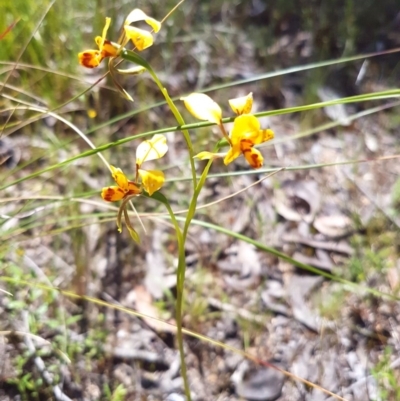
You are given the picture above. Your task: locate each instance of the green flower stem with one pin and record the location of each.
(189, 217)
(181, 270)
(193, 203)
(179, 299)
(181, 236)
(179, 316)
(181, 122)
(180, 275)
(135, 58)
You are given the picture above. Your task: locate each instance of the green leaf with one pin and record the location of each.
(135, 58)
(73, 319)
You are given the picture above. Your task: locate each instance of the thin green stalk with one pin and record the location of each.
(181, 270)
(181, 123)
(198, 125)
(135, 58)
(180, 274)
(193, 203)
(189, 218)
(179, 299)
(179, 319)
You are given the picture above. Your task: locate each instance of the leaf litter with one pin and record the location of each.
(299, 321)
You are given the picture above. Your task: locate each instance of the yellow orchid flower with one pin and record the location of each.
(203, 107)
(141, 39)
(245, 134)
(92, 58)
(152, 180)
(246, 130)
(123, 189)
(152, 149)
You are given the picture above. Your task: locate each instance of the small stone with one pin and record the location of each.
(261, 384)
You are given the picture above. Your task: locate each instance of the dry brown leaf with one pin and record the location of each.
(144, 304)
(333, 226)
(298, 200)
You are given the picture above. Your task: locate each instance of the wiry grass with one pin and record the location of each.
(53, 193)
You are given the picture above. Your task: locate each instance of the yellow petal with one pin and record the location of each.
(267, 135)
(112, 194)
(209, 155)
(140, 38)
(203, 107)
(138, 15)
(242, 105)
(90, 58)
(108, 49)
(246, 126)
(253, 157)
(152, 149)
(104, 33)
(233, 153)
(120, 178)
(152, 180)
